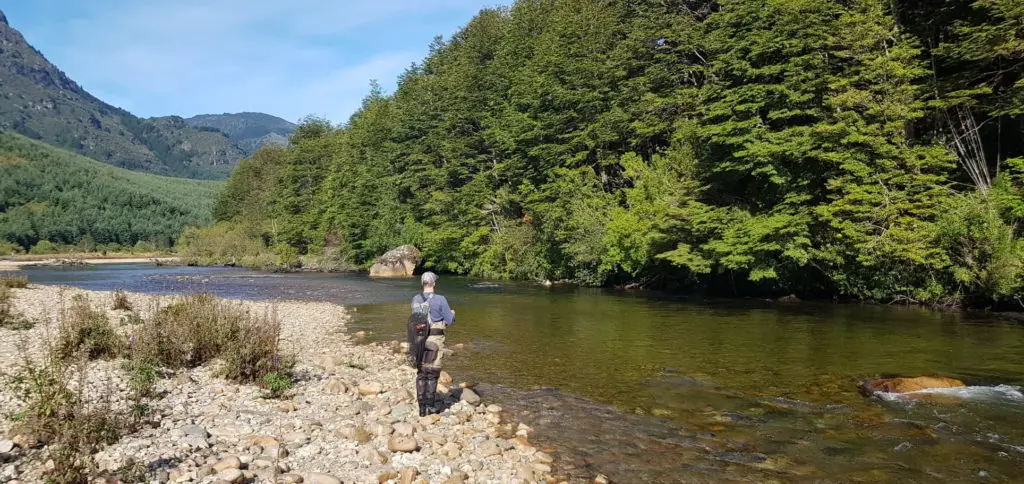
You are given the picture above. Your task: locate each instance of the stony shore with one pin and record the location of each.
(15, 264)
(351, 417)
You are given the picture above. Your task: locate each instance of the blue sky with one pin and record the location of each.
(288, 58)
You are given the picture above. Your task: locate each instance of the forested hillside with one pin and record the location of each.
(60, 198)
(863, 149)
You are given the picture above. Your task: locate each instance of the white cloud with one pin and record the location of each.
(288, 58)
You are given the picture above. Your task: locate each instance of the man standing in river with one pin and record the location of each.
(440, 316)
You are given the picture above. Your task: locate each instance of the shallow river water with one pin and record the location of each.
(651, 388)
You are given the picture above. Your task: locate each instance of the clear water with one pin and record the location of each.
(651, 388)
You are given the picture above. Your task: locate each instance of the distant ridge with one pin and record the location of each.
(250, 131)
(39, 101)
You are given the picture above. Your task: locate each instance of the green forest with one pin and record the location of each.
(855, 149)
(51, 199)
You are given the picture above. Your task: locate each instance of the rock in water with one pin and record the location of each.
(398, 262)
(470, 397)
(907, 385)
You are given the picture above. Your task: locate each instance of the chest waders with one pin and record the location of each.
(427, 355)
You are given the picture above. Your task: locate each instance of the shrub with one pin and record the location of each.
(121, 302)
(61, 418)
(43, 247)
(14, 282)
(9, 248)
(197, 329)
(85, 330)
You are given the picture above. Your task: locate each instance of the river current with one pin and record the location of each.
(646, 387)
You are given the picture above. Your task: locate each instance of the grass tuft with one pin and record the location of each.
(87, 331)
(121, 302)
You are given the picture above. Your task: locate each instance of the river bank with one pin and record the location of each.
(350, 417)
(15, 263)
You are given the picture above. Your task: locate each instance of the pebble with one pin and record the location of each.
(195, 431)
(290, 479)
(370, 388)
(404, 429)
(408, 475)
(231, 475)
(320, 478)
(227, 463)
(335, 386)
(402, 444)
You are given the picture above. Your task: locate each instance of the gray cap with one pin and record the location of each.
(428, 278)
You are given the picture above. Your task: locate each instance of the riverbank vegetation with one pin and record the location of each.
(54, 201)
(866, 149)
(62, 409)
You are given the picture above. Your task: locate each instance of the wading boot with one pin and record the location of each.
(424, 409)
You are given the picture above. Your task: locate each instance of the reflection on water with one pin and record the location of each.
(681, 390)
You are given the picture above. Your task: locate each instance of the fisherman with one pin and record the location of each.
(439, 316)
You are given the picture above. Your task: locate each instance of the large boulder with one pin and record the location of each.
(907, 385)
(398, 262)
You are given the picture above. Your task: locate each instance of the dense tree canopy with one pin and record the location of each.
(864, 148)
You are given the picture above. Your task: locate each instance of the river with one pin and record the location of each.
(646, 387)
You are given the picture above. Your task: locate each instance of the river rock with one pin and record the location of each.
(369, 454)
(408, 475)
(470, 397)
(195, 431)
(370, 388)
(320, 478)
(231, 475)
(335, 386)
(445, 378)
(492, 408)
(398, 262)
(402, 444)
(404, 429)
(227, 463)
(6, 446)
(290, 479)
(488, 449)
(401, 411)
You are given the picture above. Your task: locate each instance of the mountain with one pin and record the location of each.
(250, 131)
(39, 101)
(47, 193)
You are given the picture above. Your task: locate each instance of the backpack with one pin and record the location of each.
(418, 329)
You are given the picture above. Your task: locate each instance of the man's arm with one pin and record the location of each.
(446, 313)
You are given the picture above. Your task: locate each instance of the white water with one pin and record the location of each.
(1004, 393)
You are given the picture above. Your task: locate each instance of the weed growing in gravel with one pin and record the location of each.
(85, 330)
(8, 318)
(277, 384)
(197, 329)
(121, 302)
(13, 282)
(62, 418)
